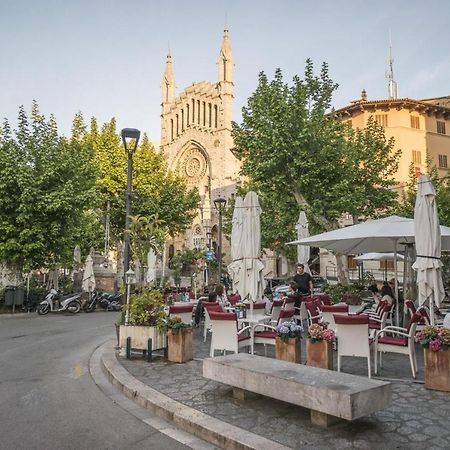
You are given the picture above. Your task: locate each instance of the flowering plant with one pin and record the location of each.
(434, 338)
(318, 332)
(288, 330)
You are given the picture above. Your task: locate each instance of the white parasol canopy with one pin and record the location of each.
(151, 266)
(88, 284)
(428, 246)
(303, 252)
(251, 248)
(379, 235)
(235, 268)
(373, 256)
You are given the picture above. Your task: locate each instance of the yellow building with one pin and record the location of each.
(419, 128)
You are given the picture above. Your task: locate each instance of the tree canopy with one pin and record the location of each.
(297, 154)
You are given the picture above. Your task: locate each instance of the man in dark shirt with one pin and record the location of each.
(303, 280)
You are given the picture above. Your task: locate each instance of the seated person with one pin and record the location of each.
(199, 313)
(386, 294)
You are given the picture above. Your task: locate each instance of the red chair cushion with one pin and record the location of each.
(287, 314)
(392, 340)
(221, 315)
(233, 299)
(360, 319)
(243, 338)
(277, 303)
(335, 308)
(266, 334)
(374, 325)
(258, 306)
(174, 309)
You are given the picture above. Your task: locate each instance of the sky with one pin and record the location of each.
(106, 58)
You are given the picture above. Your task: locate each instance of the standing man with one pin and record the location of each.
(303, 281)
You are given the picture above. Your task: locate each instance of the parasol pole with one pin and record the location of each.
(396, 283)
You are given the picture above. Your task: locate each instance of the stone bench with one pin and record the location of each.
(328, 394)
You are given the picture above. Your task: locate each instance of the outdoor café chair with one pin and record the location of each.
(329, 310)
(425, 313)
(314, 314)
(225, 334)
(266, 334)
(410, 307)
(398, 340)
(234, 298)
(209, 306)
(183, 311)
(277, 306)
(353, 338)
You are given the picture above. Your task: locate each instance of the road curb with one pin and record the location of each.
(210, 429)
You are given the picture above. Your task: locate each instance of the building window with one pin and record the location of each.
(171, 129)
(443, 162)
(215, 116)
(187, 114)
(415, 122)
(440, 127)
(381, 119)
(417, 157)
(193, 111)
(209, 115)
(351, 262)
(182, 120)
(177, 125)
(204, 113)
(198, 112)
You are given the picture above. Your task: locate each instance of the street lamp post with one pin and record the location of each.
(219, 204)
(130, 139)
(208, 260)
(129, 280)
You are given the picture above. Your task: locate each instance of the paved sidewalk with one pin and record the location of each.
(417, 419)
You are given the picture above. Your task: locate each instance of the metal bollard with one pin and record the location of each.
(129, 347)
(149, 349)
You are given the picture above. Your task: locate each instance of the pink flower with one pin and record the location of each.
(328, 335)
(435, 345)
(419, 336)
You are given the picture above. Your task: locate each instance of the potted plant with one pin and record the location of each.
(319, 352)
(179, 340)
(146, 319)
(436, 341)
(287, 341)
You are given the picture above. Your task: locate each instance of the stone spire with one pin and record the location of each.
(225, 61)
(168, 83)
(225, 85)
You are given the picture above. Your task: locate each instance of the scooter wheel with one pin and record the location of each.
(42, 310)
(73, 307)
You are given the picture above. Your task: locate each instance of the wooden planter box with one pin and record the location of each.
(287, 351)
(319, 354)
(437, 370)
(180, 346)
(140, 336)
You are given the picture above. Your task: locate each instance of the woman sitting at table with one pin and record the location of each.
(386, 294)
(222, 298)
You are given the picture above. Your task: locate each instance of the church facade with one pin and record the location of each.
(196, 140)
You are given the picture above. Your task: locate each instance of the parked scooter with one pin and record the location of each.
(110, 302)
(55, 302)
(90, 304)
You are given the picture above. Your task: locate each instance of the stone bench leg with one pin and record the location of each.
(323, 420)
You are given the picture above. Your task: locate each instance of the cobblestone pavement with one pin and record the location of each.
(417, 418)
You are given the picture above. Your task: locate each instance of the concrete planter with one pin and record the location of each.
(287, 351)
(140, 336)
(319, 354)
(180, 346)
(437, 370)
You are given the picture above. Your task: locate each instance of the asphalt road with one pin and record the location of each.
(48, 399)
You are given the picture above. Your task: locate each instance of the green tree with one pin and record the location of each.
(298, 155)
(47, 182)
(159, 195)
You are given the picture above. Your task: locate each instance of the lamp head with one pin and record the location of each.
(130, 139)
(220, 203)
(130, 276)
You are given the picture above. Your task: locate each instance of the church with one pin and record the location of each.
(196, 140)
